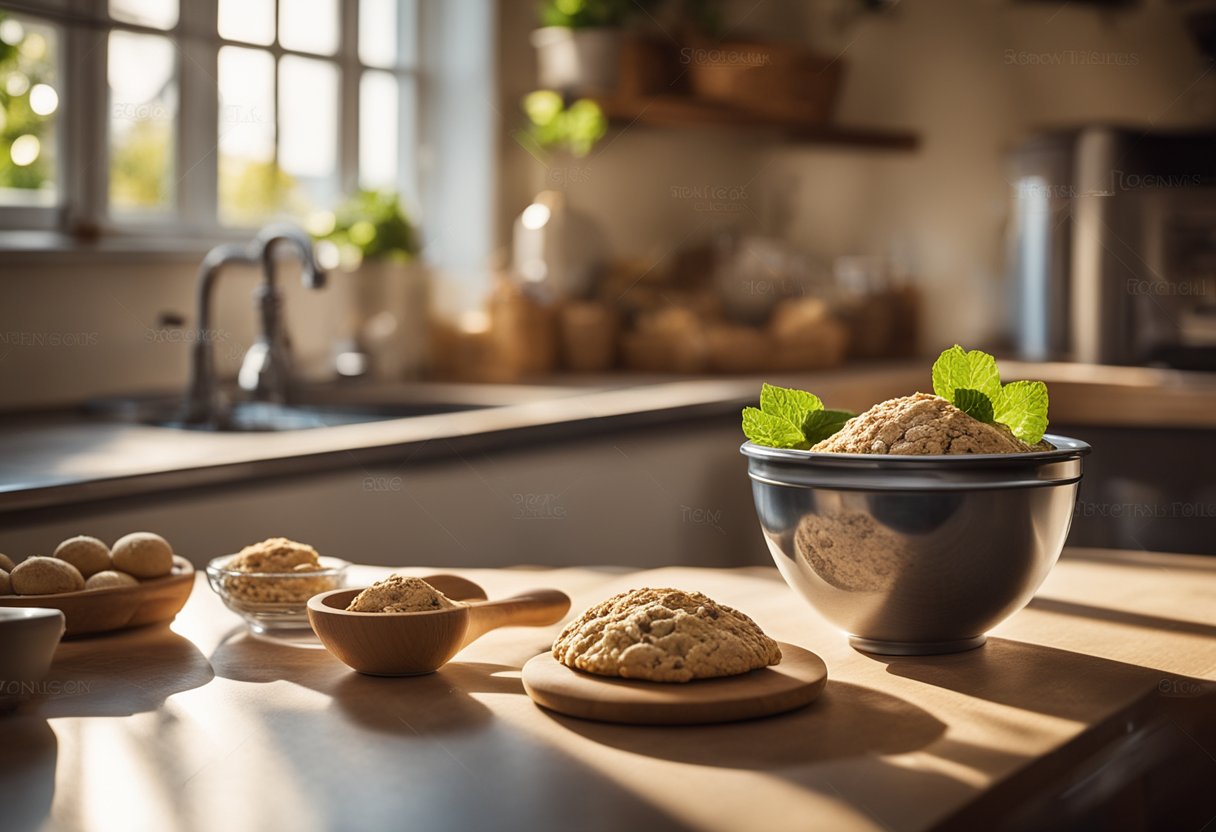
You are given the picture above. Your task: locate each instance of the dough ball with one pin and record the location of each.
(6, 563)
(398, 594)
(88, 554)
(143, 554)
(45, 576)
(110, 578)
(6, 587)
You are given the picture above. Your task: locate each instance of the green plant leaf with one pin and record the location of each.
(974, 403)
(792, 405)
(543, 106)
(957, 368)
(1022, 405)
(772, 431)
(821, 424)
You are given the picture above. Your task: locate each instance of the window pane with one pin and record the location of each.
(309, 25)
(308, 126)
(251, 187)
(386, 32)
(159, 14)
(29, 111)
(143, 110)
(378, 131)
(251, 21)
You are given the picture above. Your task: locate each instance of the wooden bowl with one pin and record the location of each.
(377, 644)
(414, 643)
(117, 607)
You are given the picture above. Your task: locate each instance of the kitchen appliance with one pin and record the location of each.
(558, 251)
(1113, 247)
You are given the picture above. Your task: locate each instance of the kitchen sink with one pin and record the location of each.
(323, 405)
(260, 416)
(265, 416)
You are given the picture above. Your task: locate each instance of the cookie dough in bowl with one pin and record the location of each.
(400, 594)
(664, 635)
(269, 583)
(276, 571)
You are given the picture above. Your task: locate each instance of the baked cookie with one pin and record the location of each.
(399, 594)
(6, 587)
(45, 576)
(109, 578)
(87, 554)
(664, 635)
(6, 563)
(143, 555)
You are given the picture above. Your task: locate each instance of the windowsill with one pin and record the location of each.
(54, 246)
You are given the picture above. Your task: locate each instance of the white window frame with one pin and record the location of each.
(82, 175)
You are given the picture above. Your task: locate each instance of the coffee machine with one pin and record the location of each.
(1113, 246)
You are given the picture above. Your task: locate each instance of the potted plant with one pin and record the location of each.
(578, 44)
(374, 244)
(555, 126)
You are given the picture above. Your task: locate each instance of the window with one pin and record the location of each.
(196, 116)
(29, 112)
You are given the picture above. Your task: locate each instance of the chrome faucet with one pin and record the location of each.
(266, 369)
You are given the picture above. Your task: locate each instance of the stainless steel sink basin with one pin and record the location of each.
(264, 416)
(320, 406)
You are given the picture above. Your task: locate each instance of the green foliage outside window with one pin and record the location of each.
(24, 64)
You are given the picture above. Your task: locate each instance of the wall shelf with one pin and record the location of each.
(684, 111)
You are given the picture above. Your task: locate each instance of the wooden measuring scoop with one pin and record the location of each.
(412, 643)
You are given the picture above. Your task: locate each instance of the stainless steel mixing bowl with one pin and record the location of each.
(915, 555)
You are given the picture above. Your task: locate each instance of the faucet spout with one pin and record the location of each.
(269, 238)
(203, 406)
(266, 369)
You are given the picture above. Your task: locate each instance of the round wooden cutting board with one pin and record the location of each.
(796, 682)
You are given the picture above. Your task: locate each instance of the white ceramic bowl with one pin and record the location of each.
(28, 638)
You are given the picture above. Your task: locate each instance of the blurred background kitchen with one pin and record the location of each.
(563, 242)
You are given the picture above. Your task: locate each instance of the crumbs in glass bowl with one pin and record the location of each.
(269, 583)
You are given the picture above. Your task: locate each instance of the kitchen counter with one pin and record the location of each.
(1109, 674)
(62, 460)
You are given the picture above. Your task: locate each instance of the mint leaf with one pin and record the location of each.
(824, 423)
(974, 403)
(792, 405)
(1022, 405)
(957, 368)
(772, 431)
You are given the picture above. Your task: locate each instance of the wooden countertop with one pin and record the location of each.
(202, 727)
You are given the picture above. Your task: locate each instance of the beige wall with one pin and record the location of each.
(971, 77)
(939, 67)
(73, 326)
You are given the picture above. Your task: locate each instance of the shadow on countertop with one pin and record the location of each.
(120, 674)
(116, 674)
(846, 721)
(29, 751)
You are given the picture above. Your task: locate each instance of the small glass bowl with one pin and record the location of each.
(274, 601)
